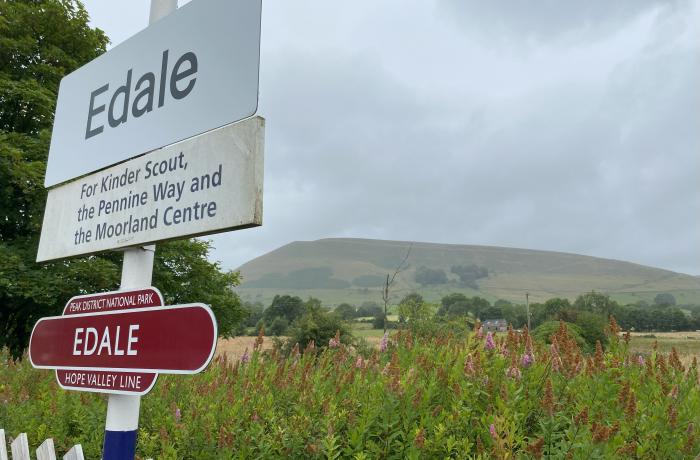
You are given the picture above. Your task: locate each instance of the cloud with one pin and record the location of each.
(551, 19)
(549, 125)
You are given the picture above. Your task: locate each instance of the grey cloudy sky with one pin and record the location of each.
(568, 126)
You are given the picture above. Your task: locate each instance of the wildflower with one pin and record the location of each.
(675, 361)
(490, 344)
(178, 414)
(598, 357)
(310, 346)
(246, 357)
(640, 360)
(479, 446)
(417, 398)
(384, 343)
(535, 448)
(469, 365)
(628, 449)
(259, 339)
(548, 401)
(527, 360)
(631, 409)
(335, 341)
(674, 392)
(513, 371)
(601, 433)
(492, 430)
(690, 440)
(360, 363)
(419, 440)
(478, 330)
(672, 415)
(556, 359)
(614, 328)
(387, 369)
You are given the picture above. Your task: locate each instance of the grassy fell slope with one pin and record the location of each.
(349, 270)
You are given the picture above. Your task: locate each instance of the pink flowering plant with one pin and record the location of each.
(437, 396)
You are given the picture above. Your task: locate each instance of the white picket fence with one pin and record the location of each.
(20, 449)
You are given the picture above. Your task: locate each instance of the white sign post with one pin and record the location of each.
(122, 420)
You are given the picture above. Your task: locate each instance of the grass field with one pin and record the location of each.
(687, 344)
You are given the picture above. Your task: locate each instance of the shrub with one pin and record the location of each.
(346, 311)
(592, 328)
(379, 322)
(278, 326)
(545, 331)
(318, 325)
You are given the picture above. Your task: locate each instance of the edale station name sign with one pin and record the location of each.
(206, 184)
(118, 382)
(139, 340)
(192, 71)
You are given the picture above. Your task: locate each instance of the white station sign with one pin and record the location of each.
(207, 184)
(192, 71)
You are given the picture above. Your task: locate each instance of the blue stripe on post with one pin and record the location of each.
(119, 445)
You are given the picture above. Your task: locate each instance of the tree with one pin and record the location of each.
(254, 313)
(592, 327)
(513, 314)
(39, 43)
(478, 304)
(413, 309)
(390, 282)
(378, 321)
(595, 302)
(447, 302)
(345, 311)
(284, 306)
(318, 325)
(278, 326)
(492, 313)
(552, 307)
(468, 274)
(664, 298)
(369, 309)
(427, 276)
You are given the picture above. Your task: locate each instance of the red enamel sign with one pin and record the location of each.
(130, 383)
(178, 339)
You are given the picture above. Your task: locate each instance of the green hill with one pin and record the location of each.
(352, 270)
